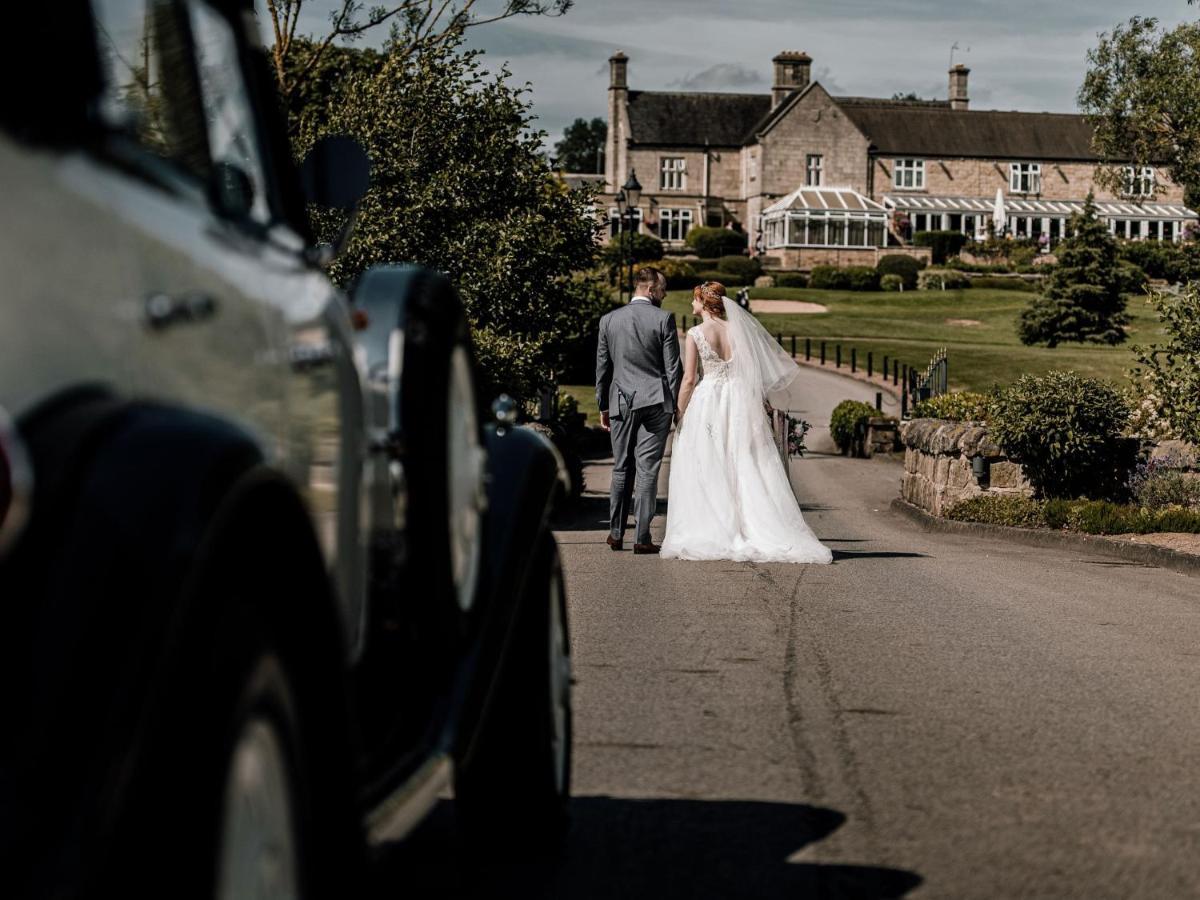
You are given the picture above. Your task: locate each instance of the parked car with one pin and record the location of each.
(272, 580)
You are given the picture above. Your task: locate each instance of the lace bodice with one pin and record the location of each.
(712, 366)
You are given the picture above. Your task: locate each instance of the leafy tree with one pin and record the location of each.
(582, 146)
(417, 26)
(901, 95)
(1083, 299)
(1141, 93)
(459, 184)
(1170, 372)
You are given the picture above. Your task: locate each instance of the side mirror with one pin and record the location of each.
(231, 191)
(336, 173)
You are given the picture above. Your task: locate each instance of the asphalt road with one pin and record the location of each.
(929, 716)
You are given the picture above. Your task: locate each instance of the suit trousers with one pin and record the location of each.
(639, 440)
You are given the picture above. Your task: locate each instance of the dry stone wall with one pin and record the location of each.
(938, 465)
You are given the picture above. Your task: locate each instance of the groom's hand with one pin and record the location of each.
(604, 423)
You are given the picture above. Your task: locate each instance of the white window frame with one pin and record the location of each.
(614, 221)
(1139, 181)
(1025, 178)
(674, 223)
(672, 173)
(814, 164)
(908, 174)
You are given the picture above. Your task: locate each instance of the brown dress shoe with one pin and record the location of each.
(614, 543)
(646, 548)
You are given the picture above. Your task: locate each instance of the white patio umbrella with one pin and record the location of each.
(999, 217)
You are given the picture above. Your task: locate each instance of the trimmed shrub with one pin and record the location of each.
(845, 420)
(680, 273)
(745, 268)
(726, 278)
(716, 242)
(943, 244)
(904, 266)
(791, 280)
(645, 249)
(1065, 430)
(862, 278)
(891, 282)
(956, 406)
(828, 278)
(1005, 284)
(1131, 279)
(1011, 510)
(942, 280)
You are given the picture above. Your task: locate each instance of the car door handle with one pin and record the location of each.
(164, 310)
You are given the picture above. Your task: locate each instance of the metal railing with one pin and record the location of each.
(933, 382)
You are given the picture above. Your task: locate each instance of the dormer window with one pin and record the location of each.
(1025, 178)
(1138, 181)
(908, 174)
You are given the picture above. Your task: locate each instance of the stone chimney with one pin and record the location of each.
(958, 86)
(618, 100)
(792, 72)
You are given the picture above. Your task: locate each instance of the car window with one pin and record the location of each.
(150, 89)
(232, 128)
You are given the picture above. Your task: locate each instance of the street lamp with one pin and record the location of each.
(622, 207)
(632, 191)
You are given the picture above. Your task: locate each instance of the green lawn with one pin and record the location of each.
(912, 325)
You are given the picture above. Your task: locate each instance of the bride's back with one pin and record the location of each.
(716, 333)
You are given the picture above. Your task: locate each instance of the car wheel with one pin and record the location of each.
(522, 756)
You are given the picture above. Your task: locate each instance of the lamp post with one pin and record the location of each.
(632, 191)
(622, 207)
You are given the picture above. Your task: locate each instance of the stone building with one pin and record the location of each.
(815, 178)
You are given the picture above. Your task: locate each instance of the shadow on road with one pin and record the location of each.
(846, 555)
(664, 849)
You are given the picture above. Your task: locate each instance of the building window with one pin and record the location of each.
(614, 221)
(814, 169)
(673, 224)
(909, 173)
(672, 173)
(1025, 178)
(1139, 181)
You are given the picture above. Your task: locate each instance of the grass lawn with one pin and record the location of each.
(912, 325)
(585, 396)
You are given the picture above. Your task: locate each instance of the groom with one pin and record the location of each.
(637, 384)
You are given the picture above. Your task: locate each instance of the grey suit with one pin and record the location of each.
(637, 382)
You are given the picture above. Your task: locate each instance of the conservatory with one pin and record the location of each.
(827, 217)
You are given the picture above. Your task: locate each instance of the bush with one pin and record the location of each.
(681, 274)
(845, 420)
(645, 249)
(942, 280)
(1011, 510)
(1005, 284)
(743, 268)
(1176, 263)
(957, 406)
(1065, 430)
(1022, 256)
(828, 278)
(906, 267)
(891, 283)
(726, 278)
(1161, 483)
(1170, 372)
(1130, 278)
(716, 242)
(791, 280)
(944, 244)
(862, 278)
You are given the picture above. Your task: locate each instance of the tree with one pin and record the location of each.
(1083, 299)
(417, 26)
(1170, 373)
(901, 95)
(1140, 93)
(582, 146)
(458, 183)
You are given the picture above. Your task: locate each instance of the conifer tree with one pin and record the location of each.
(1082, 300)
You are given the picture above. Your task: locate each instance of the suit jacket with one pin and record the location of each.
(637, 359)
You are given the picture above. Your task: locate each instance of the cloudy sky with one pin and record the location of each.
(1023, 54)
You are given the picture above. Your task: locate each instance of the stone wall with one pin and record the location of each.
(807, 257)
(938, 457)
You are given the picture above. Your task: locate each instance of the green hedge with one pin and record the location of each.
(791, 280)
(1086, 516)
(747, 268)
(956, 406)
(845, 420)
(726, 278)
(1065, 430)
(1006, 284)
(891, 282)
(904, 266)
(944, 244)
(942, 280)
(716, 242)
(851, 278)
(645, 249)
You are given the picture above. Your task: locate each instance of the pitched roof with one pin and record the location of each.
(694, 118)
(926, 130)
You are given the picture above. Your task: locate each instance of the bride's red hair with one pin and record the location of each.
(711, 295)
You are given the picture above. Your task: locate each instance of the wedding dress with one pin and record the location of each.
(729, 496)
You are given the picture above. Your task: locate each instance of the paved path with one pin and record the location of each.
(930, 716)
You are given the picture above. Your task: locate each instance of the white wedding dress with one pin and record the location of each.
(729, 495)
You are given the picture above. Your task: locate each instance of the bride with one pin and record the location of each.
(729, 495)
